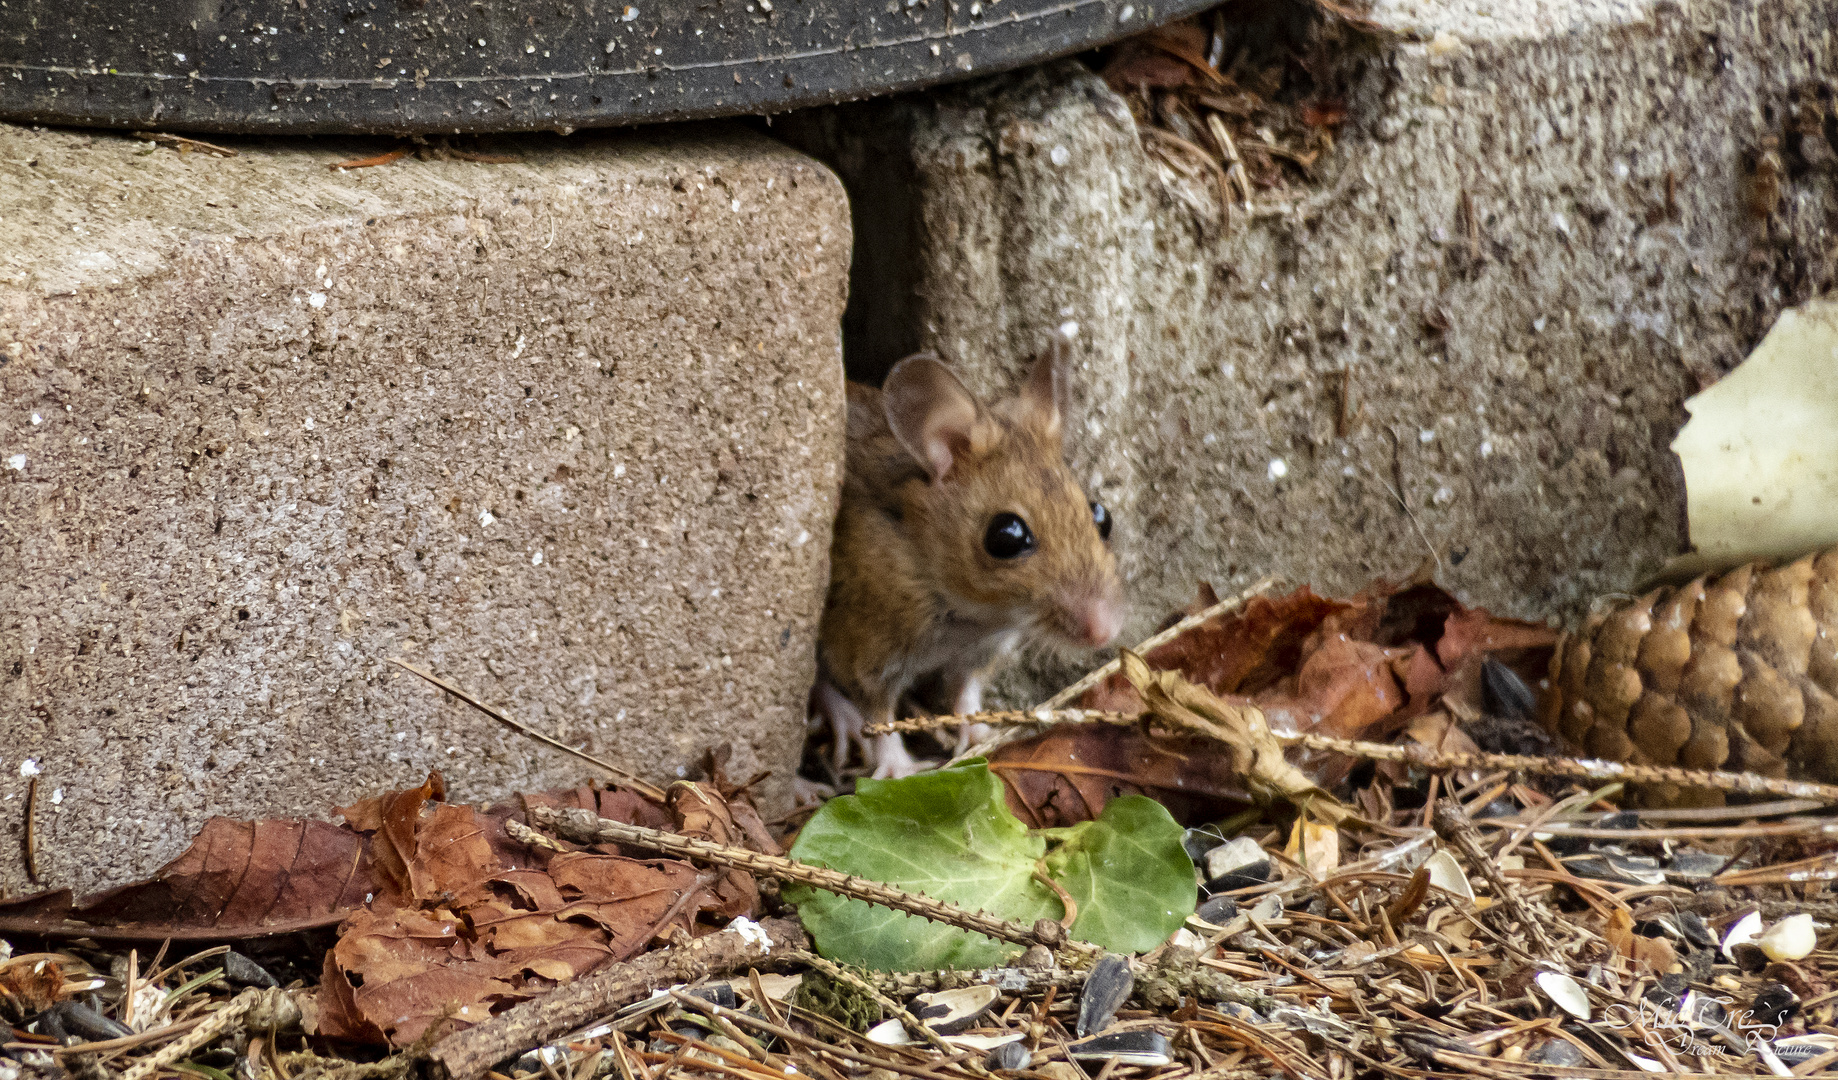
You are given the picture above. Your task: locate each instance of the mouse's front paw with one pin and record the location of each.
(892, 759)
(806, 793)
(971, 735)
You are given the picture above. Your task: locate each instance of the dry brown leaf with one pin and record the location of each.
(1066, 774)
(1363, 667)
(1240, 731)
(239, 879)
(445, 917)
(29, 987)
(497, 922)
(1240, 653)
(506, 937)
(415, 968)
(702, 813)
(392, 820)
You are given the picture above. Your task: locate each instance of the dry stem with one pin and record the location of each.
(1094, 677)
(1573, 768)
(469, 1054)
(1453, 825)
(584, 826)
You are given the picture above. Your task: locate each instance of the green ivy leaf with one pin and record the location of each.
(1128, 873)
(949, 835)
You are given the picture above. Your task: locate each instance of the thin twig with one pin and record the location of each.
(1105, 671)
(470, 1054)
(276, 1002)
(1454, 826)
(1806, 793)
(648, 790)
(893, 1008)
(1093, 678)
(584, 826)
(180, 142)
(1005, 718)
(747, 1020)
(1574, 768)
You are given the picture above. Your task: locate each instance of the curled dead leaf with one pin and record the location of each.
(1240, 730)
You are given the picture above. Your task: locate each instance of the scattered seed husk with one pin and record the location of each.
(1008, 1057)
(949, 1012)
(1106, 989)
(1566, 993)
(1147, 1048)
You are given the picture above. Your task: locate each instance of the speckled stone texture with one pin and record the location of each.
(1526, 444)
(565, 431)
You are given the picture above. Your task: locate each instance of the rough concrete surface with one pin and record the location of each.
(565, 431)
(1571, 187)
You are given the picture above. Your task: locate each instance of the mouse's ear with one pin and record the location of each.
(1047, 397)
(933, 416)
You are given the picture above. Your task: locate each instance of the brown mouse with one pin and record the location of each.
(962, 538)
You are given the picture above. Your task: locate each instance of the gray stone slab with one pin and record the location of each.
(1616, 264)
(566, 431)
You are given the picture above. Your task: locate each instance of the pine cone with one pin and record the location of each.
(1739, 672)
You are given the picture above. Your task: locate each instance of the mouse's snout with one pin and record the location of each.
(1094, 620)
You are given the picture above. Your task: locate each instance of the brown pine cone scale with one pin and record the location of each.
(1738, 672)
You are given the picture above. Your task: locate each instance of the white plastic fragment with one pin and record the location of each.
(1268, 906)
(1565, 992)
(1792, 938)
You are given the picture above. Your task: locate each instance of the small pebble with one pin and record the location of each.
(1219, 910)
(1198, 842)
(242, 971)
(1692, 925)
(1557, 1052)
(1008, 1056)
(1240, 854)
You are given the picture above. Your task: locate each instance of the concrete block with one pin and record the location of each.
(566, 431)
(1572, 185)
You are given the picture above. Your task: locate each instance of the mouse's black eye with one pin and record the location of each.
(1101, 518)
(1008, 537)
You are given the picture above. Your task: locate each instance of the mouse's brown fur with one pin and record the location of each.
(913, 591)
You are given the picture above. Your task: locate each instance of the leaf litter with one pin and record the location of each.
(1176, 892)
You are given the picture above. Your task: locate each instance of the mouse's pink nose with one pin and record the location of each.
(1099, 622)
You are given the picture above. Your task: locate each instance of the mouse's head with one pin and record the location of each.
(1009, 535)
